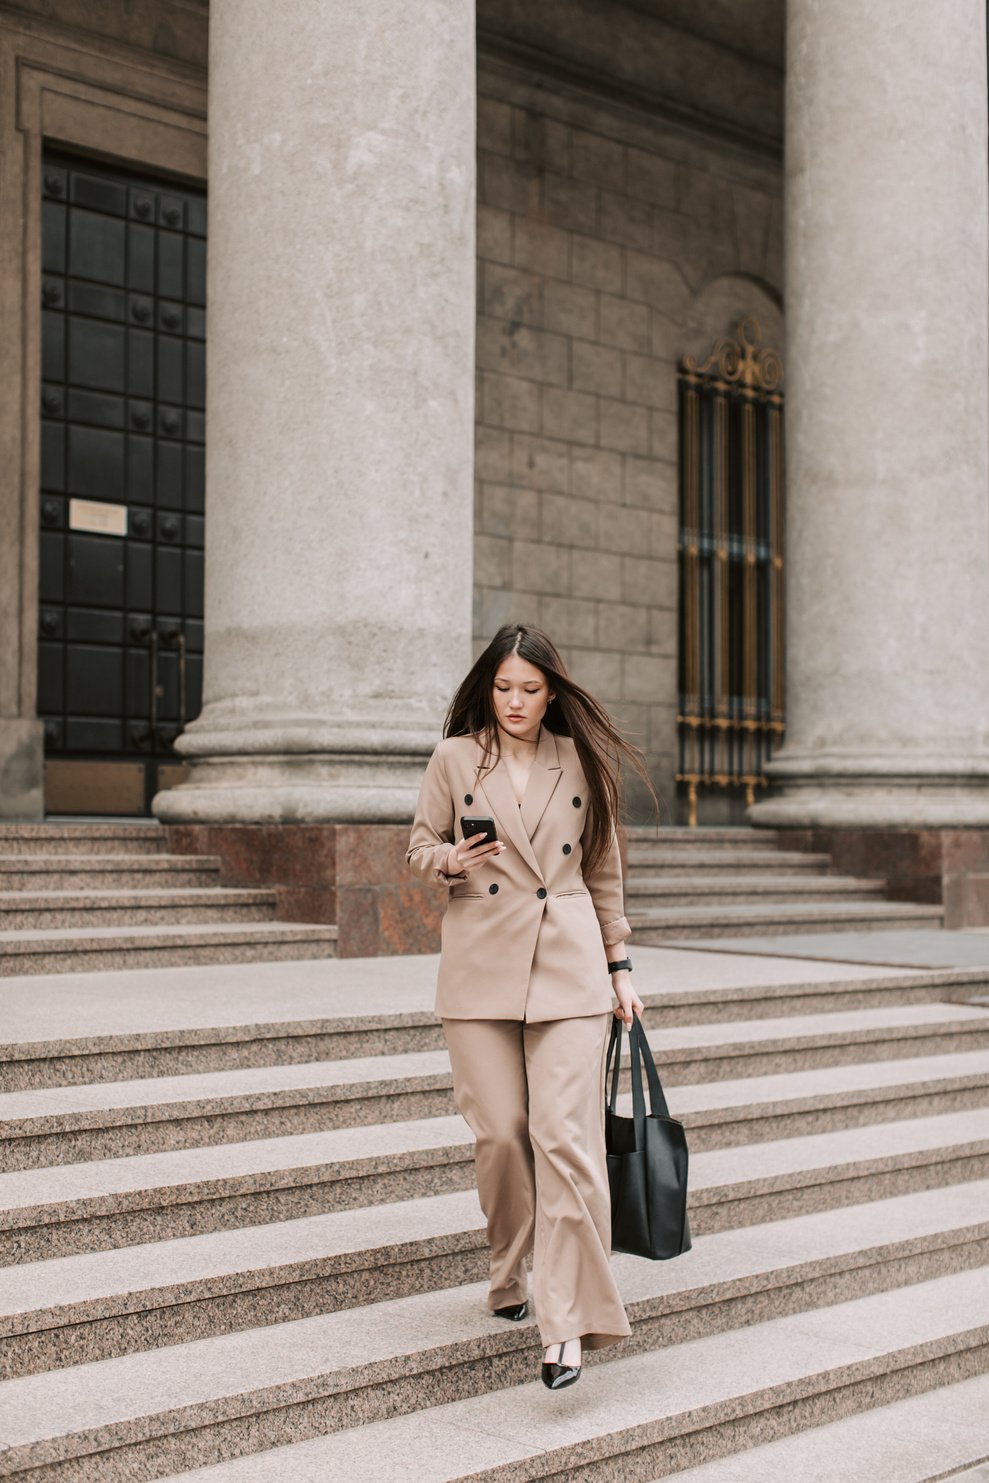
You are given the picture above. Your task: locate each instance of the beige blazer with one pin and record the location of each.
(524, 935)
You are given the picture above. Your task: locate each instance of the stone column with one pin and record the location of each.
(887, 515)
(339, 406)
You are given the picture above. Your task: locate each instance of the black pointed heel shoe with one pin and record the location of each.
(515, 1312)
(557, 1375)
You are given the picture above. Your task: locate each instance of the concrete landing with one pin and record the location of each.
(47, 1007)
(903, 949)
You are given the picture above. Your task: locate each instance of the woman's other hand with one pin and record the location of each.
(628, 1000)
(468, 854)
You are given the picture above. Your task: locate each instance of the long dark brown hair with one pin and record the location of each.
(574, 713)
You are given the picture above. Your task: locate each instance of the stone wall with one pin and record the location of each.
(609, 243)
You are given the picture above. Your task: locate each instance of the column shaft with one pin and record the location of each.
(886, 332)
(339, 406)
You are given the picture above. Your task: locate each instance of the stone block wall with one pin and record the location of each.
(609, 243)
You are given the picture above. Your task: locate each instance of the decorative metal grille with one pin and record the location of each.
(731, 705)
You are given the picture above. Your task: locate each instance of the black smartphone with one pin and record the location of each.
(479, 826)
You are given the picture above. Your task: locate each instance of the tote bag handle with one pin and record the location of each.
(639, 1054)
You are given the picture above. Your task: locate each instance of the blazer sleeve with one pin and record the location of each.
(433, 825)
(607, 892)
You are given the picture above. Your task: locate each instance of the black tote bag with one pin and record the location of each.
(647, 1159)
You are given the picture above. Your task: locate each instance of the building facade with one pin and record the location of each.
(457, 265)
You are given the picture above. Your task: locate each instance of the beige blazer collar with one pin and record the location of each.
(519, 824)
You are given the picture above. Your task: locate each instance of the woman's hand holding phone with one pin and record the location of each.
(471, 852)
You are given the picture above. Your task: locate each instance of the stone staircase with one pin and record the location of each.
(738, 882)
(239, 1238)
(85, 896)
(107, 896)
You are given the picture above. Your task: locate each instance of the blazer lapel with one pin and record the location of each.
(546, 773)
(498, 790)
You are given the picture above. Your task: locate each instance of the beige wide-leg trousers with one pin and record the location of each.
(533, 1094)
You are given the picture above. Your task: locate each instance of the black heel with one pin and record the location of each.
(557, 1375)
(514, 1312)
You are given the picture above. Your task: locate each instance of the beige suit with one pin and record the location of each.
(525, 999)
(524, 935)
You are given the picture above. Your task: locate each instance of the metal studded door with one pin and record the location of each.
(122, 482)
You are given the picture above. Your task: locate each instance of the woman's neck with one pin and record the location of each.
(520, 746)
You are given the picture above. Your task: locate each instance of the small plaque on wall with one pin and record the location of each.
(93, 515)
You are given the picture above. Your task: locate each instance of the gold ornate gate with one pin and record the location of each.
(731, 710)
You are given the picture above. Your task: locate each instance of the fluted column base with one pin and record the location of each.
(354, 789)
(260, 768)
(831, 791)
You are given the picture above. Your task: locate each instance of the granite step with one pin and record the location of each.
(105, 872)
(44, 910)
(73, 950)
(653, 855)
(695, 1053)
(66, 1209)
(939, 1434)
(90, 838)
(643, 892)
(116, 1120)
(681, 836)
(697, 1006)
(76, 1309)
(176, 1034)
(324, 1379)
(660, 924)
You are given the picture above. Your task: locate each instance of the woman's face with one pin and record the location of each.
(521, 694)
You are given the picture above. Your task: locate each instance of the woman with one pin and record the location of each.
(534, 924)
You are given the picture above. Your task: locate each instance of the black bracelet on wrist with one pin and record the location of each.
(625, 963)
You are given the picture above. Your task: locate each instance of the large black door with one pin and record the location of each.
(122, 481)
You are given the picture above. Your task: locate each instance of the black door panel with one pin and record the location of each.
(95, 463)
(97, 247)
(91, 626)
(52, 345)
(168, 471)
(95, 570)
(53, 456)
(51, 587)
(171, 268)
(138, 683)
(52, 237)
(96, 354)
(95, 682)
(139, 575)
(140, 362)
(122, 464)
(98, 190)
(105, 738)
(97, 409)
(90, 298)
(51, 676)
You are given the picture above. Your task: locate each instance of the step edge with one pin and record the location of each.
(218, 1410)
(84, 1046)
(316, 1094)
(74, 1208)
(254, 1279)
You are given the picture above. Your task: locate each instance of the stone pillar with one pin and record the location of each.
(887, 518)
(339, 407)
